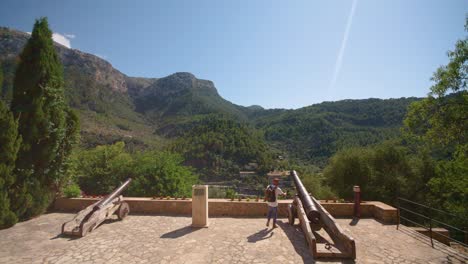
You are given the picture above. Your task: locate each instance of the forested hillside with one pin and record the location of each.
(181, 110)
(178, 130)
(218, 147)
(316, 132)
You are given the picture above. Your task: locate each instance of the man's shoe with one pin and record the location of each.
(268, 223)
(275, 226)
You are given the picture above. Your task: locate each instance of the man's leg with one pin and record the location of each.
(269, 214)
(275, 215)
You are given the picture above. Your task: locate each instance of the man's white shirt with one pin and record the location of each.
(278, 191)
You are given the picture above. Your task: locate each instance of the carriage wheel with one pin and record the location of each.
(123, 211)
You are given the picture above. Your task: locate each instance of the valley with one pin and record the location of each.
(157, 113)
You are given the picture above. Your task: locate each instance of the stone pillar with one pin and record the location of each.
(200, 206)
(357, 201)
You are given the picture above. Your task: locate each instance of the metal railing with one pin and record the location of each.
(429, 219)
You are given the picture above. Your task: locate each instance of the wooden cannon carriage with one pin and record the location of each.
(313, 218)
(92, 216)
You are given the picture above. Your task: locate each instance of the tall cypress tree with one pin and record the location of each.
(9, 145)
(3, 94)
(1, 79)
(38, 103)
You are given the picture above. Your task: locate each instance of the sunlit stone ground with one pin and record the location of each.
(164, 239)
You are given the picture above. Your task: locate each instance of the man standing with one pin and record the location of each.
(271, 196)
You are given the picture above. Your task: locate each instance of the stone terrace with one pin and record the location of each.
(165, 239)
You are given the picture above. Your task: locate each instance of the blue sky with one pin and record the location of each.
(277, 54)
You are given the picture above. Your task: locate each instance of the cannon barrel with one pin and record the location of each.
(309, 207)
(112, 195)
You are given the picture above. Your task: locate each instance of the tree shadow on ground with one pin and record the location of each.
(260, 235)
(181, 232)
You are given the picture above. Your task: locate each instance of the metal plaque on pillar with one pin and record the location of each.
(200, 205)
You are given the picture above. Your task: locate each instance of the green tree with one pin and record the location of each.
(219, 146)
(348, 168)
(100, 170)
(441, 118)
(44, 121)
(1, 79)
(161, 173)
(6, 72)
(440, 124)
(9, 145)
(384, 172)
(314, 181)
(449, 188)
(62, 163)
(391, 173)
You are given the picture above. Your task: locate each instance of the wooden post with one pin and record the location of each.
(430, 231)
(357, 201)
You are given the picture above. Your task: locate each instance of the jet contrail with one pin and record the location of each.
(339, 59)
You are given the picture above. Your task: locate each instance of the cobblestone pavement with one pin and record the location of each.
(164, 239)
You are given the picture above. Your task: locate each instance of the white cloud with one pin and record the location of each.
(63, 39)
(339, 60)
(101, 56)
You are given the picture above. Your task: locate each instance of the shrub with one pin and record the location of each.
(124, 127)
(161, 172)
(216, 192)
(102, 169)
(230, 193)
(72, 191)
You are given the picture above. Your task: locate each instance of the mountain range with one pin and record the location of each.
(152, 112)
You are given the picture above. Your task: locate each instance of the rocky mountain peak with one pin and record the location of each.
(96, 69)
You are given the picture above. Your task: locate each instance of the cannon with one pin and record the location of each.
(309, 206)
(92, 216)
(314, 220)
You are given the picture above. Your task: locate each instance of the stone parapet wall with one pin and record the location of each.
(346, 209)
(439, 234)
(223, 207)
(385, 213)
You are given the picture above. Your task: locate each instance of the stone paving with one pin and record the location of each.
(164, 239)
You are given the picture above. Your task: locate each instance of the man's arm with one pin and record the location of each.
(280, 192)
